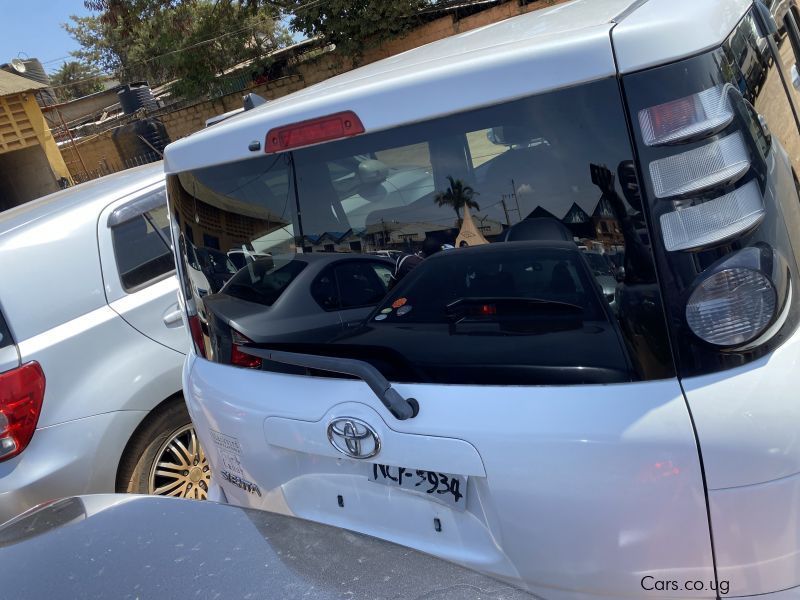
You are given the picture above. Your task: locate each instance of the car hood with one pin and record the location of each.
(126, 546)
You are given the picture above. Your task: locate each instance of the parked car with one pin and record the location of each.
(611, 457)
(309, 298)
(92, 346)
(115, 546)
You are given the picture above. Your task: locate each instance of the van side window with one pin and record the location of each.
(141, 253)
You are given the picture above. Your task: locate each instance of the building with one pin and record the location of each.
(30, 161)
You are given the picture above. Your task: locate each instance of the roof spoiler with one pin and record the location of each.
(249, 102)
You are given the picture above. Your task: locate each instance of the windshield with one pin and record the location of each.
(599, 264)
(542, 169)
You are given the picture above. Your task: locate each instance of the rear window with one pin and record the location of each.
(458, 198)
(263, 281)
(142, 249)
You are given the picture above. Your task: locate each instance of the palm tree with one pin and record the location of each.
(457, 196)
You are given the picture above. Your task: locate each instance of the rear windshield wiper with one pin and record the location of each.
(401, 408)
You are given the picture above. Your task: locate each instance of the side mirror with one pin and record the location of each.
(795, 78)
(620, 274)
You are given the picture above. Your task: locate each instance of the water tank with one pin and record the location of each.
(140, 142)
(134, 96)
(31, 68)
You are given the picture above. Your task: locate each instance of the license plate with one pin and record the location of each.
(442, 487)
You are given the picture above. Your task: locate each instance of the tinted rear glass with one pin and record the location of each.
(264, 280)
(542, 168)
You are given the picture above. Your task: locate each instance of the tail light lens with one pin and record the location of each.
(737, 299)
(687, 118)
(21, 396)
(239, 358)
(718, 162)
(714, 221)
(196, 329)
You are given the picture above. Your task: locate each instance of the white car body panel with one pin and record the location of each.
(102, 376)
(663, 31)
(554, 457)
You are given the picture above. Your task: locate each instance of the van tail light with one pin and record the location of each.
(314, 131)
(21, 396)
(196, 329)
(719, 162)
(687, 118)
(714, 221)
(239, 358)
(738, 298)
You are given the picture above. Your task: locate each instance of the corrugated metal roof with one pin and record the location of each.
(14, 84)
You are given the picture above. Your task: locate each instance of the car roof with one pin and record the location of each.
(542, 50)
(432, 80)
(326, 257)
(91, 196)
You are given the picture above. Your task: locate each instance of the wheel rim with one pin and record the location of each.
(180, 468)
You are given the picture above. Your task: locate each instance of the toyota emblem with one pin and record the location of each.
(353, 438)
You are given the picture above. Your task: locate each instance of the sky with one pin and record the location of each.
(33, 27)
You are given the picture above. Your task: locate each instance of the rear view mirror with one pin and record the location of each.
(372, 172)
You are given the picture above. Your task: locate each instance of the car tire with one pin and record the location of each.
(164, 456)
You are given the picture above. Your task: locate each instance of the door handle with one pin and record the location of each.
(172, 317)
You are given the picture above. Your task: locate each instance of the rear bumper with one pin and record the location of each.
(76, 457)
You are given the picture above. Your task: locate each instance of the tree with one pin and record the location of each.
(76, 79)
(187, 42)
(353, 25)
(457, 196)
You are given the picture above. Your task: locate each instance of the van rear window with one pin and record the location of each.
(517, 231)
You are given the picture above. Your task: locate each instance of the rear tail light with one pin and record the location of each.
(21, 396)
(736, 300)
(196, 329)
(714, 221)
(314, 131)
(239, 358)
(718, 162)
(687, 118)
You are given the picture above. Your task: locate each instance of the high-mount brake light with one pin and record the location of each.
(314, 131)
(687, 118)
(714, 221)
(21, 396)
(719, 162)
(239, 358)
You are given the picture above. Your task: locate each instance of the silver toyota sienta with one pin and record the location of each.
(628, 431)
(91, 346)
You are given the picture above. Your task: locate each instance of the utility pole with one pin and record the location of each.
(505, 210)
(516, 200)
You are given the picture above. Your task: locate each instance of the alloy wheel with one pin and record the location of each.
(180, 468)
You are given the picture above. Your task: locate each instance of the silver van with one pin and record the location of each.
(493, 408)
